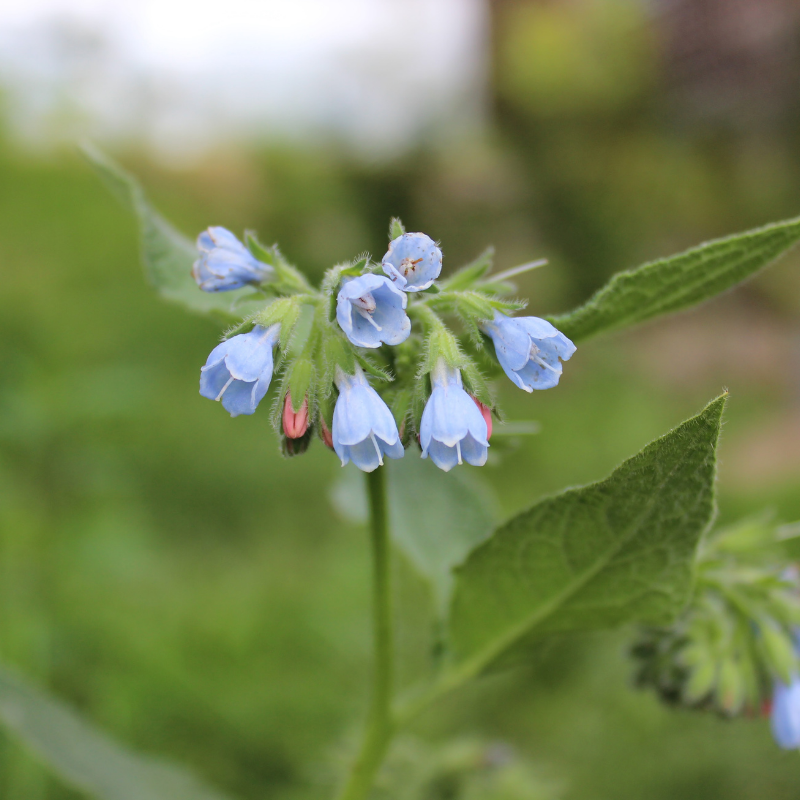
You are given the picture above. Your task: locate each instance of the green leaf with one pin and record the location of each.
(435, 518)
(468, 275)
(85, 758)
(672, 284)
(167, 255)
(288, 279)
(396, 228)
(615, 551)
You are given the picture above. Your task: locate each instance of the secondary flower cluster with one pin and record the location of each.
(361, 325)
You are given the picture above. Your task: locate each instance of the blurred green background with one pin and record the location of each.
(167, 572)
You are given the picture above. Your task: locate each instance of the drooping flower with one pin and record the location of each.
(364, 430)
(370, 309)
(453, 429)
(413, 262)
(239, 370)
(529, 350)
(785, 716)
(225, 263)
(295, 423)
(785, 713)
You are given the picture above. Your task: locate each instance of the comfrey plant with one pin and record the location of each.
(391, 370)
(356, 310)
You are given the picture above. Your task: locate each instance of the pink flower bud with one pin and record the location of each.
(327, 436)
(295, 423)
(487, 415)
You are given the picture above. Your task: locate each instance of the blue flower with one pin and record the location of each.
(529, 350)
(371, 310)
(239, 370)
(225, 263)
(364, 430)
(453, 429)
(413, 262)
(785, 716)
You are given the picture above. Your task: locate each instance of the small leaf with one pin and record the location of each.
(678, 282)
(611, 552)
(85, 758)
(396, 228)
(371, 369)
(702, 680)
(288, 279)
(467, 276)
(731, 686)
(166, 254)
(778, 651)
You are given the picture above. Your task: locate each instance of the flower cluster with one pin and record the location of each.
(432, 389)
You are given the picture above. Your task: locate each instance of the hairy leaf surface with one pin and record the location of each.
(675, 283)
(167, 255)
(611, 552)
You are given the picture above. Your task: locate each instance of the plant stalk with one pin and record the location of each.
(380, 725)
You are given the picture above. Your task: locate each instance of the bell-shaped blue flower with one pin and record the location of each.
(529, 349)
(239, 370)
(785, 717)
(225, 263)
(453, 429)
(413, 262)
(371, 309)
(364, 430)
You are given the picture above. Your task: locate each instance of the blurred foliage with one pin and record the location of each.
(166, 571)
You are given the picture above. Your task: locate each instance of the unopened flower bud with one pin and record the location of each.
(325, 433)
(487, 415)
(295, 423)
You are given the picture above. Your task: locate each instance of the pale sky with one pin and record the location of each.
(182, 75)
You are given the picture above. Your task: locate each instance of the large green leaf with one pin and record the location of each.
(672, 284)
(86, 758)
(166, 254)
(614, 551)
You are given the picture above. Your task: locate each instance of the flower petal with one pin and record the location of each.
(352, 421)
(785, 717)
(213, 379)
(423, 261)
(535, 376)
(239, 398)
(511, 341)
(365, 455)
(443, 456)
(474, 452)
(249, 355)
(546, 336)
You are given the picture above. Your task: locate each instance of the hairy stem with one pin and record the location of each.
(380, 725)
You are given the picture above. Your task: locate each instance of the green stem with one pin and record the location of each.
(380, 725)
